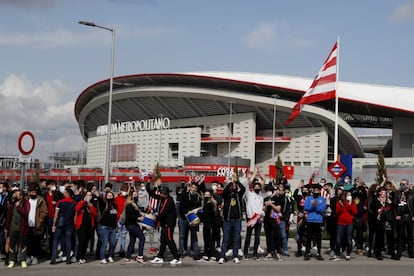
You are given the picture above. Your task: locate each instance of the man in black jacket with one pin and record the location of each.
(4, 198)
(190, 200)
(232, 212)
(167, 218)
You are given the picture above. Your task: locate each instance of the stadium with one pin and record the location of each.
(208, 121)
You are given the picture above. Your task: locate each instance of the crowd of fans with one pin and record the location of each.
(60, 222)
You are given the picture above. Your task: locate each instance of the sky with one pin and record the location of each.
(47, 59)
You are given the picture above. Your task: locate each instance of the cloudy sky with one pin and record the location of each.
(48, 59)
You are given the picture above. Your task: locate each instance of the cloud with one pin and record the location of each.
(404, 12)
(65, 38)
(47, 40)
(41, 109)
(135, 2)
(270, 36)
(28, 3)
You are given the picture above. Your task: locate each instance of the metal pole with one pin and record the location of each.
(159, 149)
(82, 147)
(230, 135)
(274, 128)
(111, 82)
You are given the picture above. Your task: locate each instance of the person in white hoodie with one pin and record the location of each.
(255, 214)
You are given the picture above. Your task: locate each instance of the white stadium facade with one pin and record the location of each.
(199, 120)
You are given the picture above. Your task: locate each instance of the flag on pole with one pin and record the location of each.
(322, 87)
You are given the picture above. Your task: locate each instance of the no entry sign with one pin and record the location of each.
(20, 140)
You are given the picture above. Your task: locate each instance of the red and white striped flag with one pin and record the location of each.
(323, 86)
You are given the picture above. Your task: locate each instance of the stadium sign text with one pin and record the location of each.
(134, 126)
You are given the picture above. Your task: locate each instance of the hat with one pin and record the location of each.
(164, 190)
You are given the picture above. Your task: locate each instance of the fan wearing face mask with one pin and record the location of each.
(120, 201)
(315, 205)
(16, 228)
(255, 214)
(346, 209)
(38, 217)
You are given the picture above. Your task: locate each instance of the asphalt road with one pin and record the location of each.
(358, 265)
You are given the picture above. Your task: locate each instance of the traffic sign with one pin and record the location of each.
(337, 169)
(20, 144)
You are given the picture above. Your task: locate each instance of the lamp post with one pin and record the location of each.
(159, 149)
(230, 135)
(274, 127)
(111, 82)
(117, 144)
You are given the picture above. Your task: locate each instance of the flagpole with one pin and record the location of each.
(336, 104)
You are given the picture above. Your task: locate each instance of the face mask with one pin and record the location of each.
(346, 181)
(207, 198)
(349, 198)
(1, 191)
(80, 190)
(62, 189)
(257, 191)
(135, 198)
(110, 200)
(142, 188)
(88, 199)
(124, 193)
(53, 188)
(15, 199)
(269, 193)
(305, 194)
(214, 187)
(33, 196)
(316, 194)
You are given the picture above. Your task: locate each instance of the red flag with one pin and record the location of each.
(322, 87)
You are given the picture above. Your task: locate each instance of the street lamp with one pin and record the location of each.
(230, 135)
(274, 126)
(111, 82)
(159, 149)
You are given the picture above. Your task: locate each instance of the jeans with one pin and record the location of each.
(283, 235)
(107, 234)
(121, 236)
(183, 228)
(66, 233)
(231, 227)
(134, 233)
(344, 231)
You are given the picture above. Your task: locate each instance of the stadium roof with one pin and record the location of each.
(198, 94)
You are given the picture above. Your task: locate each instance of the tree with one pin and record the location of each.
(381, 169)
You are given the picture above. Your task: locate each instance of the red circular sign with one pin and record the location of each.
(19, 142)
